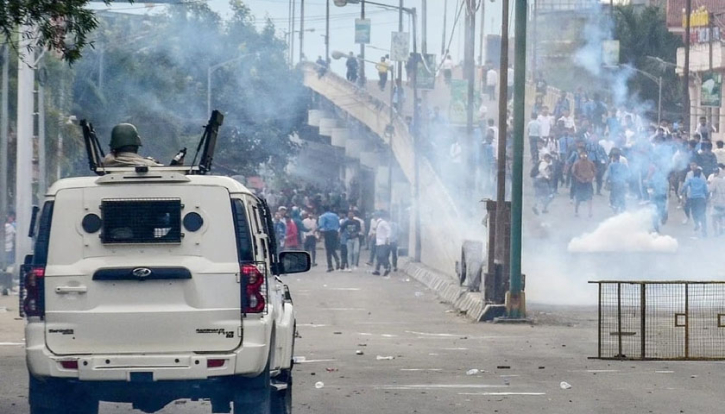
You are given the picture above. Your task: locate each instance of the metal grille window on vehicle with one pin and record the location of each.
(141, 220)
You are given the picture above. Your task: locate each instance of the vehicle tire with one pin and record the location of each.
(253, 395)
(53, 396)
(282, 400)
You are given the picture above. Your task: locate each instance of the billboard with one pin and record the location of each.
(362, 31)
(711, 90)
(399, 46)
(426, 73)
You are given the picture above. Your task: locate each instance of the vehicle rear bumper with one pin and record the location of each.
(248, 360)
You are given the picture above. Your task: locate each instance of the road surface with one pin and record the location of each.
(521, 366)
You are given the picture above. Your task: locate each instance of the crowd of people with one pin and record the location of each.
(613, 149)
(336, 222)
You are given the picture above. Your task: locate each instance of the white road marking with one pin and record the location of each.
(388, 336)
(310, 361)
(501, 393)
(433, 334)
(509, 376)
(312, 325)
(439, 386)
(12, 343)
(345, 289)
(664, 372)
(421, 369)
(455, 349)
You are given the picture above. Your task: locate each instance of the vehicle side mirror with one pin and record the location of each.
(294, 262)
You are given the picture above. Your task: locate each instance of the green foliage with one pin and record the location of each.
(61, 26)
(643, 33)
(152, 71)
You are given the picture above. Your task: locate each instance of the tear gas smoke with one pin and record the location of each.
(626, 232)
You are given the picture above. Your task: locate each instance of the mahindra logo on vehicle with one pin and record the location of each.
(141, 272)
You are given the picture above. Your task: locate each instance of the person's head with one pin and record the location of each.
(545, 110)
(582, 155)
(490, 122)
(693, 166)
(382, 58)
(697, 137)
(615, 156)
(565, 113)
(580, 144)
(720, 144)
(547, 157)
(692, 144)
(706, 146)
(305, 215)
(697, 172)
(282, 210)
(533, 115)
(125, 138)
(277, 216)
(703, 121)
(10, 217)
(351, 214)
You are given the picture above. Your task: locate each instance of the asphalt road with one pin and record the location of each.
(521, 366)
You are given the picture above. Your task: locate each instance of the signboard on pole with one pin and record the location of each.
(426, 73)
(711, 90)
(610, 52)
(362, 31)
(458, 102)
(399, 46)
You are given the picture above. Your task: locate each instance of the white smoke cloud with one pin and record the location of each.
(626, 232)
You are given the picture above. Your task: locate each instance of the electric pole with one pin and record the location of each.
(686, 73)
(445, 20)
(302, 30)
(327, 34)
(24, 142)
(362, 48)
(710, 28)
(400, 29)
(4, 139)
(42, 160)
(470, 75)
(501, 210)
(482, 40)
(292, 35)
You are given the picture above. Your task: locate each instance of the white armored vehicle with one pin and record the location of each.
(150, 284)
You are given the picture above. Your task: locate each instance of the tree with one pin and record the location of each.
(61, 26)
(643, 35)
(152, 71)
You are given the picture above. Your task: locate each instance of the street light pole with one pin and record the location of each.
(327, 33)
(686, 77)
(302, 29)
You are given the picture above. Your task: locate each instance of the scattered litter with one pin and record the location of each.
(359, 352)
(542, 367)
(473, 371)
(503, 367)
(331, 369)
(693, 376)
(407, 279)
(565, 385)
(319, 384)
(384, 358)
(337, 333)
(418, 294)
(362, 344)
(299, 359)
(463, 337)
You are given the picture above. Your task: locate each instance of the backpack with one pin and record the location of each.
(534, 170)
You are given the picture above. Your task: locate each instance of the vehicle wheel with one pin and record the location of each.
(282, 399)
(53, 396)
(254, 396)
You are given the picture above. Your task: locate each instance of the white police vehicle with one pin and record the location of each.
(152, 284)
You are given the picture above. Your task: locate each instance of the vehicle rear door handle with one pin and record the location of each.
(62, 290)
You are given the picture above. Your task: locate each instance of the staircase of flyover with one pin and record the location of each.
(443, 227)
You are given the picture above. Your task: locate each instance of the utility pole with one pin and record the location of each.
(327, 34)
(24, 142)
(292, 35)
(445, 21)
(501, 211)
(470, 75)
(686, 77)
(710, 28)
(302, 30)
(482, 40)
(4, 138)
(416, 147)
(42, 160)
(61, 112)
(535, 41)
(424, 22)
(515, 299)
(362, 47)
(400, 29)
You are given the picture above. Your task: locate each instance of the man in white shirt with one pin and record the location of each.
(568, 120)
(546, 122)
(382, 244)
(447, 68)
(371, 239)
(719, 152)
(309, 238)
(10, 230)
(493, 131)
(491, 82)
(607, 144)
(510, 82)
(362, 234)
(534, 131)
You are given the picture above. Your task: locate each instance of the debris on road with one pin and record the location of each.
(337, 333)
(331, 369)
(319, 384)
(565, 385)
(359, 352)
(299, 359)
(384, 358)
(473, 371)
(503, 367)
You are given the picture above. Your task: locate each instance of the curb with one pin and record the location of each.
(469, 303)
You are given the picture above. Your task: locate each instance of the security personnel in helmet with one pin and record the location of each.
(124, 148)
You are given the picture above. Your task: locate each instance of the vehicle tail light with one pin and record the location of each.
(69, 364)
(215, 363)
(255, 300)
(34, 303)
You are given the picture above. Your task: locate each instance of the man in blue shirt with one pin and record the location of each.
(617, 177)
(329, 225)
(696, 190)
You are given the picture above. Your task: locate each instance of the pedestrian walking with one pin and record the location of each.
(697, 193)
(344, 264)
(491, 83)
(411, 68)
(383, 68)
(394, 230)
(543, 173)
(310, 236)
(371, 239)
(10, 231)
(584, 173)
(382, 244)
(352, 68)
(716, 186)
(280, 227)
(329, 226)
(447, 68)
(617, 176)
(351, 229)
(534, 132)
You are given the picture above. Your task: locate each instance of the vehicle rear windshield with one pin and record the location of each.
(40, 254)
(141, 220)
(245, 247)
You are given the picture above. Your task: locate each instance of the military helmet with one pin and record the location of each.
(124, 135)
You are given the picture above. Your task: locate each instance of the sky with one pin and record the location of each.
(342, 22)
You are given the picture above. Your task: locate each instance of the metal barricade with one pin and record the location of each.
(661, 320)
